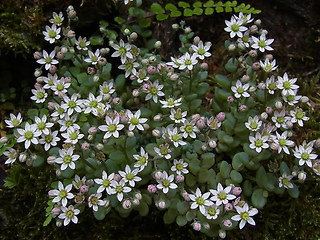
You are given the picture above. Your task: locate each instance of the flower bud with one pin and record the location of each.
(64, 50)
(90, 137)
(278, 105)
(37, 72)
(136, 201)
(228, 206)
(274, 146)
(204, 147)
(152, 59)
(52, 69)
(232, 47)
(175, 26)
(187, 30)
(256, 66)
(71, 34)
(304, 99)
(222, 233)
(72, 14)
(179, 178)
(201, 123)
(104, 51)
(59, 223)
(156, 133)
(302, 176)
(206, 225)
(51, 160)
(236, 191)
(152, 188)
(174, 77)
(264, 32)
(221, 116)
(151, 69)
(230, 99)
(157, 44)
(262, 85)
(37, 55)
(100, 146)
(204, 66)
(130, 134)
(126, 31)
(55, 211)
(162, 204)
(158, 175)
(269, 110)
(212, 143)
(126, 204)
(138, 195)
(158, 117)
(96, 78)
(117, 177)
(254, 29)
(23, 157)
(227, 223)
(102, 62)
(116, 100)
(196, 226)
(144, 62)
(241, 46)
(84, 188)
(317, 143)
(146, 126)
(253, 53)
(4, 139)
(289, 124)
(289, 133)
(243, 108)
(257, 22)
(91, 70)
(58, 172)
(264, 116)
(196, 39)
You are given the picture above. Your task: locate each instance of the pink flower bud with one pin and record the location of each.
(151, 69)
(91, 70)
(253, 53)
(262, 85)
(269, 110)
(37, 85)
(158, 175)
(256, 66)
(186, 196)
(51, 160)
(230, 99)
(37, 55)
(162, 204)
(136, 201)
(85, 146)
(102, 61)
(253, 28)
(138, 195)
(179, 178)
(228, 207)
(145, 87)
(269, 56)
(245, 78)
(117, 177)
(92, 130)
(227, 223)
(133, 77)
(52, 69)
(204, 66)
(60, 55)
(201, 123)
(196, 40)
(84, 188)
(126, 204)
(156, 133)
(196, 226)
(212, 143)
(55, 211)
(116, 100)
(71, 34)
(243, 108)
(72, 14)
(51, 105)
(221, 116)
(152, 188)
(236, 191)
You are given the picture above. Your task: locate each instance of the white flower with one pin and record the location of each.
(254, 123)
(68, 122)
(69, 214)
(171, 103)
(60, 86)
(166, 182)
(212, 212)
(130, 67)
(130, 175)
(262, 43)
(174, 62)
(178, 116)
(72, 135)
(154, 91)
(175, 137)
(268, 66)
(92, 103)
(213, 123)
(49, 81)
(234, 26)
(200, 201)
(12, 155)
(77, 183)
(244, 18)
(221, 195)
(271, 85)
(47, 59)
(284, 181)
(141, 76)
(49, 140)
(179, 166)
(282, 142)
(42, 124)
(189, 129)
(280, 119)
(245, 215)
(305, 155)
(127, 1)
(39, 95)
(120, 188)
(240, 90)
(287, 85)
(62, 194)
(52, 33)
(94, 201)
(106, 88)
(187, 61)
(82, 43)
(72, 104)
(122, 50)
(93, 57)
(14, 121)
(258, 142)
(163, 151)
(292, 99)
(28, 135)
(135, 121)
(298, 116)
(59, 111)
(142, 159)
(67, 159)
(201, 51)
(57, 19)
(105, 183)
(112, 127)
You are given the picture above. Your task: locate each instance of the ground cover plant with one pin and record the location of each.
(210, 152)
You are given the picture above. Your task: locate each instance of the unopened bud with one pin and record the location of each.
(187, 30)
(156, 133)
(175, 26)
(253, 53)
(157, 45)
(212, 144)
(278, 105)
(304, 99)
(269, 110)
(4, 139)
(302, 176)
(23, 157)
(158, 175)
(136, 201)
(257, 22)
(152, 188)
(222, 233)
(37, 72)
(130, 134)
(204, 66)
(126, 204)
(99, 146)
(96, 78)
(51, 160)
(162, 204)
(37, 55)
(179, 178)
(157, 117)
(196, 226)
(264, 116)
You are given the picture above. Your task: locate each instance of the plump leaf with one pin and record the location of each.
(157, 8)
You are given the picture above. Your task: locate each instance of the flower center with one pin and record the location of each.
(60, 86)
(40, 95)
(212, 211)
(48, 59)
(73, 136)
(290, 98)
(82, 44)
(93, 104)
(201, 51)
(12, 155)
(106, 183)
(134, 121)
(177, 116)
(170, 102)
(129, 66)
(41, 125)
(28, 135)
(60, 110)
(188, 128)
(52, 34)
(94, 200)
(72, 104)
(69, 123)
(244, 216)
(253, 125)
(153, 90)
(142, 160)
(130, 176)
(122, 50)
(163, 150)
(94, 58)
(15, 122)
(200, 201)
(287, 85)
(112, 127)
(282, 142)
(299, 115)
(119, 189)
(179, 166)
(187, 62)
(69, 214)
(272, 86)
(280, 119)
(106, 90)
(166, 183)
(63, 194)
(67, 159)
(262, 43)
(285, 181)
(48, 138)
(240, 90)
(176, 137)
(258, 143)
(235, 27)
(305, 156)
(222, 195)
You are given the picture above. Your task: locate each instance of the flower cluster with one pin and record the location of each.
(152, 134)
